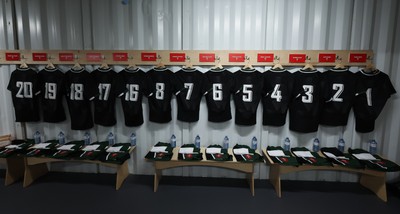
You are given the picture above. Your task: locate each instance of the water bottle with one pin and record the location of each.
(37, 137)
(286, 144)
(341, 144)
(315, 147)
(86, 138)
(173, 141)
(61, 138)
(373, 147)
(111, 139)
(254, 143)
(225, 143)
(133, 139)
(197, 141)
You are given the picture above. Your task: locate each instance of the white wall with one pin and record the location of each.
(213, 25)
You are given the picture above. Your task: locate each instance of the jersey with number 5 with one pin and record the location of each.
(306, 105)
(80, 91)
(276, 97)
(24, 87)
(373, 90)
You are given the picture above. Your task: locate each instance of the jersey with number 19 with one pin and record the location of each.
(24, 87)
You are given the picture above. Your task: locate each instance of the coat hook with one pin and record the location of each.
(247, 58)
(158, 56)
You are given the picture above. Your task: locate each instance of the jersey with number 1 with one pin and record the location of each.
(81, 90)
(24, 87)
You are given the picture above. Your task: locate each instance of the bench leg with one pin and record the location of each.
(33, 172)
(375, 184)
(275, 178)
(122, 174)
(157, 178)
(250, 179)
(15, 169)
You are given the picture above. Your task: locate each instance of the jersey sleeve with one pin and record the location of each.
(11, 84)
(388, 87)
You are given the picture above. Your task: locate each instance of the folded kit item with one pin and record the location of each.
(15, 147)
(337, 157)
(92, 151)
(279, 156)
(305, 156)
(160, 152)
(374, 162)
(217, 153)
(188, 152)
(117, 153)
(42, 149)
(243, 153)
(68, 150)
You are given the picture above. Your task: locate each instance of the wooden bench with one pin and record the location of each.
(247, 168)
(371, 179)
(36, 167)
(14, 165)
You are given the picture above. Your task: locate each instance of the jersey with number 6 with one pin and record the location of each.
(373, 90)
(135, 83)
(218, 88)
(24, 87)
(339, 94)
(188, 89)
(247, 94)
(52, 83)
(109, 87)
(305, 108)
(277, 96)
(81, 90)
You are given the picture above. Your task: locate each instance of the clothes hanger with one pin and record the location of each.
(77, 66)
(308, 66)
(339, 65)
(23, 65)
(277, 66)
(50, 66)
(188, 65)
(131, 66)
(248, 66)
(160, 65)
(218, 66)
(369, 68)
(104, 66)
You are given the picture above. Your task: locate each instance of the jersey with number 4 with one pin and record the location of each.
(24, 87)
(373, 90)
(247, 94)
(52, 83)
(218, 89)
(305, 108)
(339, 94)
(81, 90)
(109, 87)
(136, 83)
(159, 95)
(188, 89)
(277, 96)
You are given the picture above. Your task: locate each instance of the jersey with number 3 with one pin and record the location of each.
(373, 90)
(247, 94)
(305, 108)
(188, 89)
(24, 87)
(81, 90)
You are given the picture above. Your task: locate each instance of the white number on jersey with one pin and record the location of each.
(189, 86)
(51, 91)
(132, 93)
(369, 97)
(104, 91)
(76, 91)
(160, 88)
(25, 89)
(247, 93)
(338, 87)
(217, 92)
(308, 98)
(277, 94)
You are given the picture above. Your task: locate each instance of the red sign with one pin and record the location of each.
(236, 57)
(13, 56)
(63, 57)
(146, 56)
(358, 57)
(327, 57)
(93, 57)
(39, 56)
(177, 57)
(120, 56)
(207, 57)
(265, 57)
(297, 58)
